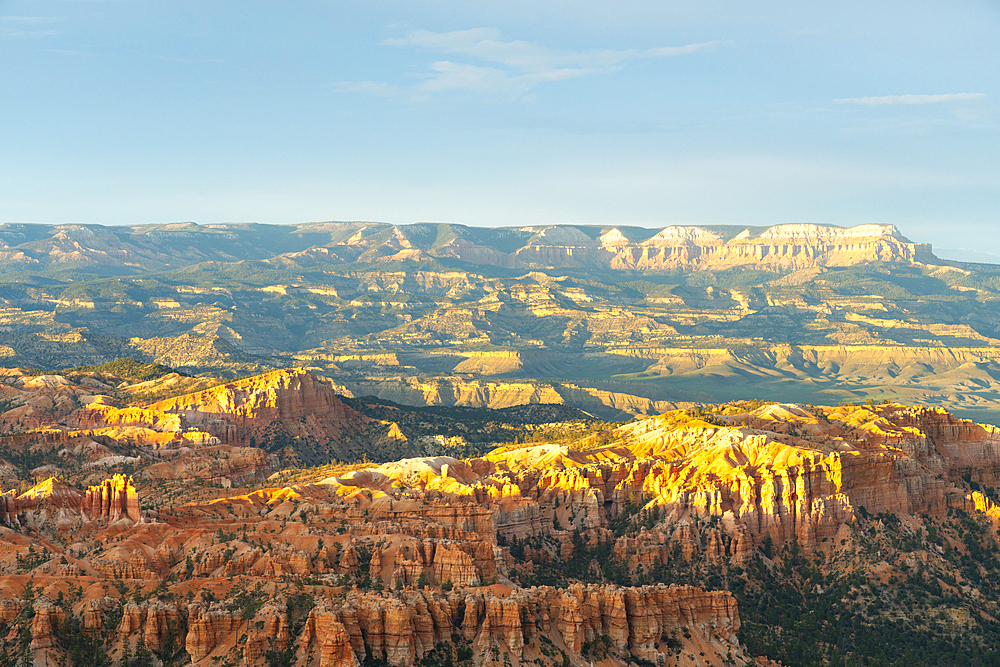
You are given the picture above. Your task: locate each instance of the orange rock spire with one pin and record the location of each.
(113, 499)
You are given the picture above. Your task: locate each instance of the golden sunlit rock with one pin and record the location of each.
(193, 553)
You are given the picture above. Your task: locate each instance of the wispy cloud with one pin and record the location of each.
(911, 99)
(449, 76)
(486, 43)
(512, 68)
(177, 59)
(26, 19)
(369, 87)
(26, 26)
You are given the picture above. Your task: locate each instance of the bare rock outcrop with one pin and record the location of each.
(113, 499)
(52, 499)
(404, 629)
(208, 628)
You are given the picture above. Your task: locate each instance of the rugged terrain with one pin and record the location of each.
(162, 532)
(152, 247)
(362, 444)
(616, 321)
(242, 429)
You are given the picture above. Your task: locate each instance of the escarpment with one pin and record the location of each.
(378, 243)
(437, 505)
(787, 246)
(779, 474)
(282, 395)
(404, 628)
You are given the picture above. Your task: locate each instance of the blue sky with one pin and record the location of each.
(647, 113)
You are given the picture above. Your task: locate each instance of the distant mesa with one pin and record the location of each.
(156, 247)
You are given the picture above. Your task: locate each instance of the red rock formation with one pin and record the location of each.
(668, 491)
(208, 628)
(10, 609)
(8, 508)
(43, 625)
(230, 412)
(226, 425)
(113, 499)
(634, 618)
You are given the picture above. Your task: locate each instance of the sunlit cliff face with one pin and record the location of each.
(190, 554)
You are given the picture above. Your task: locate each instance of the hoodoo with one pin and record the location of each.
(109, 501)
(113, 499)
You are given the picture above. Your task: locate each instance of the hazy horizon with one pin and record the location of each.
(955, 254)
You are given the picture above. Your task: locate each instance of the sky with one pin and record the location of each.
(519, 112)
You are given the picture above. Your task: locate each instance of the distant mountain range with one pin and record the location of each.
(613, 320)
(135, 249)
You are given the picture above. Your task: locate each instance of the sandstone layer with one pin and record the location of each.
(420, 558)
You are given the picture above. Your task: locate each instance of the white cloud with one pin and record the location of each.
(369, 87)
(515, 67)
(26, 26)
(455, 76)
(911, 99)
(667, 51)
(449, 76)
(485, 43)
(177, 59)
(6, 31)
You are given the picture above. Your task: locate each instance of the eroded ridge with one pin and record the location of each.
(666, 539)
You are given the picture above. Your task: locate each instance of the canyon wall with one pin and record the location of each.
(507, 627)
